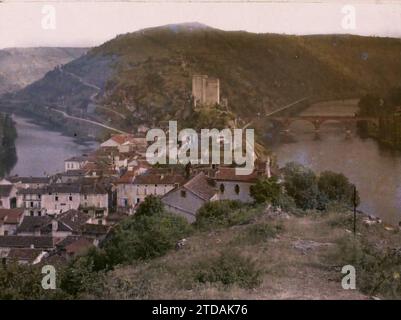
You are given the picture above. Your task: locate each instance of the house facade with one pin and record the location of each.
(132, 192)
(186, 200)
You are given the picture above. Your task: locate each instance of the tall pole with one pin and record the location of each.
(355, 210)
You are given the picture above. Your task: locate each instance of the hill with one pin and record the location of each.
(20, 67)
(145, 76)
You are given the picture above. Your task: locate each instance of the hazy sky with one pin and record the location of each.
(91, 23)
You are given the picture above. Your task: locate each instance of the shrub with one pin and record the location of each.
(23, 282)
(301, 184)
(378, 271)
(229, 268)
(145, 237)
(336, 187)
(224, 213)
(266, 190)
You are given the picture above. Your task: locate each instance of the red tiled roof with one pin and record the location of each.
(228, 174)
(11, 216)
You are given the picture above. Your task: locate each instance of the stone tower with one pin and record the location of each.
(205, 90)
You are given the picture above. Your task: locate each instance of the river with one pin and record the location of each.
(42, 151)
(374, 170)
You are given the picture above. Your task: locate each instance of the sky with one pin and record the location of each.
(74, 23)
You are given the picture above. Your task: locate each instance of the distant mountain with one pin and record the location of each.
(145, 76)
(20, 67)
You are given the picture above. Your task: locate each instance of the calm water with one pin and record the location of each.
(375, 171)
(41, 151)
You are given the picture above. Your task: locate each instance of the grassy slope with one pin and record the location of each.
(288, 272)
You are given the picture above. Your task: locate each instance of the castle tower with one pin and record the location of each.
(205, 90)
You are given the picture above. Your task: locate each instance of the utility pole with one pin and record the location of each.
(355, 204)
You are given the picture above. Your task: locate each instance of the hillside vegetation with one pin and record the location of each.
(145, 76)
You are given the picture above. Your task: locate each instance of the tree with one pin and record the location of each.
(150, 206)
(266, 190)
(336, 187)
(301, 184)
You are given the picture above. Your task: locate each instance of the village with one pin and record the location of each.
(58, 217)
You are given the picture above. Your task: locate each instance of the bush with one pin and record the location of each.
(145, 237)
(229, 268)
(301, 184)
(81, 280)
(336, 187)
(266, 190)
(224, 213)
(24, 282)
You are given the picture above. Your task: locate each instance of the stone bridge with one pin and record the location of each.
(317, 121)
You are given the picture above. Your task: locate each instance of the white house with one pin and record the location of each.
(234, 187)
(61, 197)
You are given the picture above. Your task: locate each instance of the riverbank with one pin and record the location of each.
(42, 151)
(8, 135)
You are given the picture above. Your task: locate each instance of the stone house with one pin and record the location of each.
(187, 199)
(131, 190)
(94, 199)
(30, 200)
(61, 197)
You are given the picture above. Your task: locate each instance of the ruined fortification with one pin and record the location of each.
(205, 90)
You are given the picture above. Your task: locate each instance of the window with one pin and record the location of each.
(236, 189)
(222, 188)
(31, 204)
(56, 198)
(85, 197)
(31, 213)
(183, 193)
(70, 197)
(39, 213)
(137, 200)
(1, 203)
(6, 233)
